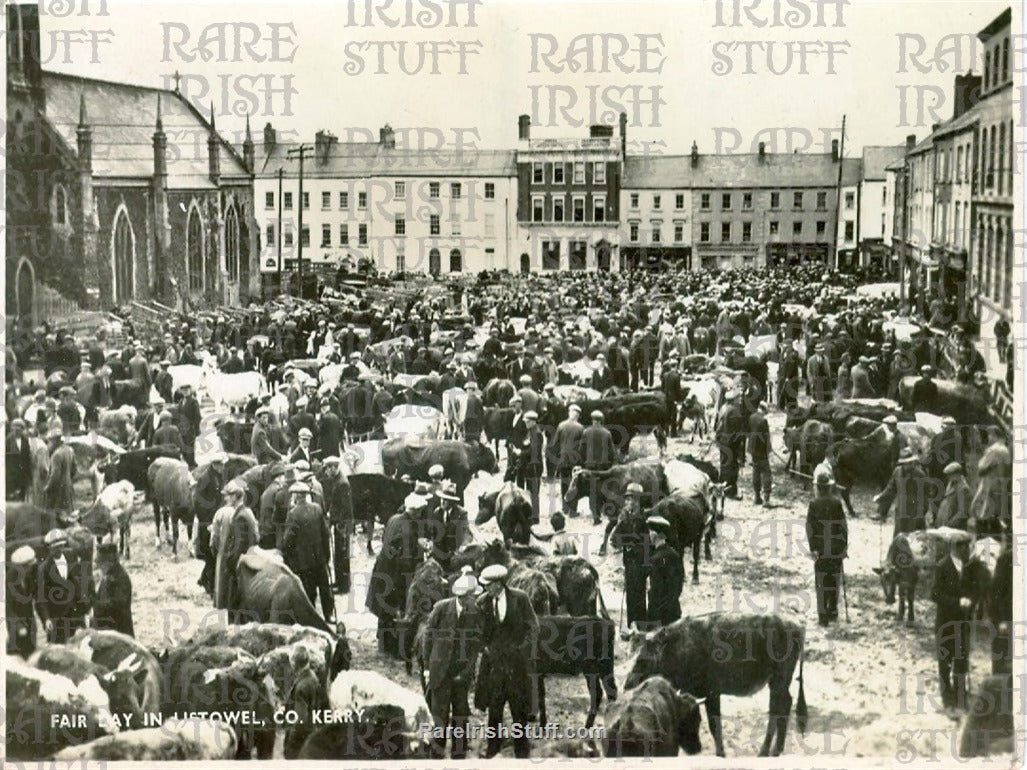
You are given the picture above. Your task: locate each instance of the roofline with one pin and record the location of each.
(1004, 18)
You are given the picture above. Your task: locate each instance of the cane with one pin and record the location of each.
(845, 595)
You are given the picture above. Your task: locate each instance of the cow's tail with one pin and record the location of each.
(603, 612)
(801, 710)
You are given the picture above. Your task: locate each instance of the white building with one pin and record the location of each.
(403, 209)
(875, 201)
(656, 212)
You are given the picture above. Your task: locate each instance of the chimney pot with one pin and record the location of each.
(935, 127)
(524, 127)
(834, 149)
(387, 137)
(623, 134)
(695, 154)
(910, 142)
(763, 150)
(270, 137)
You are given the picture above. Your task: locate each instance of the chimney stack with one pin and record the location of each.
(695, 154)
(967, 92)
(763, 151)
(160, 148)
(387, 137)
(910, 142)
(213, 150)
(935, 127)
(323, 141)
(270, 138)
(84, 134)
(834, 149)
(624, 135)
(524, 127)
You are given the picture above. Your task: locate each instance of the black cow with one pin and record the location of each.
(689, 521)
(511, 507)
(988, 727)
(577, 583)
(380, 733)
(729, 654)
(134, 465)
(498, 425)
(377, 497)
(652, 720)
(900, 571)
(626, 416)
(571, 645)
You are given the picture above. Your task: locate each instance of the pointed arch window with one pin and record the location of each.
(194, 250)
(232, 243)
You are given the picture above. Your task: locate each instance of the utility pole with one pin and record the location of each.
(838, 207)
(300, 152)
(281, 173)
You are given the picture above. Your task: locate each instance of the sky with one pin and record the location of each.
(723, 73)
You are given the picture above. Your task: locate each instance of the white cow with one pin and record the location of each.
(189, 374)
(413, 420)
(365, 457)
(227, 390)
(454, 409)
(685, 479)
(192, 739)
(356, 689)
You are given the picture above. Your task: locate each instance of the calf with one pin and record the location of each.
(653, 720)
(172, 485)
(692, 410)
(569, 645)
(112, 512)
(900, 570)
(427, 586)
(77, 665)
(110, 649)
(175, 739)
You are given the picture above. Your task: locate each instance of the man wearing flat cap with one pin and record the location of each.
(596, 452)
(530, 459)
(163, 381)
(861, 385)
(507, 671)
(168, 434)
(925, 390)
(666, 575)
(450, 646)
(19, 460)
(303, 451)
(910, 489)
(307, 547)
(818, 375)
(474, 414)
(232, 533)
(66, 589)
(954, 509)
(260, 439)
(59, 493)
(338, 497)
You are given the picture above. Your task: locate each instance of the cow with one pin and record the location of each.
(52, 712)
(652, 720)
(119, 683)
(112, 512)
(689, 525)
(415, 421)
(861, 460)
(26, 524)
(571, 645)
(577, 585)
(688, 475)
(226, 680)
(540, 586)
(962, 402)
(129, 393)
(235, 436)
(109, 648)
(461, 461)
(175, 739)
(510, 506)
(427, 586)
(171, 486)
(626, 416)
(498, 425)
(498, 392)
(729, 654)
(134, 466)
(377, 497)
(901, 571)
(815, 438)
(614, 481)
(234, 390)
(701, 399)
(988, 727)
(118, 425)
(193, 375)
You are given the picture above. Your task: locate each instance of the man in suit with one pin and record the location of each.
(818, 375)
(529, 396)
(517, 431)
(168, 434)
(139, 368)
(451, 524)
(567, 442)
(19, 460)
(861, 384)
(163, 381)
(303, 451)
(306, 547)
(666, 575)
(602, 377)
(329, 431)
(507, 671)
(260, 439)
(190, 419)
(351, 371)
(338, 497)
(148, 422)
(65, 590)
(531, 462)
(393, 570)
(909, 488)
(112, 607)
(827, 533)
(788, 377)
(596, 452)
(474, 414)
(759, 451)
(525, 365)
(729, 427)
(954, 509)
(670, 383)
(59, 492)
(925, 390)
(450, 645)
(951, 593)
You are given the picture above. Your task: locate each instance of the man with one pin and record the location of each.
(788, 376)
(260, 439)
(139, 369)
(861, 385)
(567, 442)
(451, 532)
(548, 368)
(909, 489)
(954, 509)
(507, 671)
(666, 575)
(818, 375)
(529, 396)
(351, 371)
(266, 513)
(925, 390)
(393, 570)
(148, 422)
(306, 698)
(631, 535)
(525, 365)
(190, 420)
(562, 543)
(164, 382)
(602, 377)
(759, 451)
(307, 548)
(35, 413)
(338, 496)
(670, 383)
(951, 594)
(303, 451)
(112, 606)
(596, 452)
(729, 428)
(232, 533)
(18, 456)
(70, 411)
(517, 432)
(168, 434)
(474, 414)
(65, 590)
(531, 462)
(451, 643)
(59, 493)
(22, 574)
(827, 534)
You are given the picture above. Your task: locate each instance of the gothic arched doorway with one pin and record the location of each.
(434, 262)
(194, 251)
(25, 290)
(603, 256)
(123, 258)
(525, 263)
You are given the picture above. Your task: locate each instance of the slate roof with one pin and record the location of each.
(357, 160)
(743, 170)
(124, 118)
(876, 158)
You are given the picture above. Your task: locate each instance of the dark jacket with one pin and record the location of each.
(329, 434)
(452, 645)
(666, 579)
(827, 531)
(306, 546)
(112, 607)
(596, 450)
(507, 662)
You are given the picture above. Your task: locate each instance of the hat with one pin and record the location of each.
(22, 555)
(300, 487)
(601, 357)
(525, 379)
(674, 355)
(165, 415)
(87, 365)
(67, 390)
(471, 386)
(926, 369)
(731, 395)
(40, 392)
(165, 362)
(953, 468)
(218, 457)
(232, 488)
(658, 524)
(948, 420)
(819, 347)
(413, 501)
(448, 492)
(422, 488)
(301, 466)
(436, 471)
(354, 355)
(906, 455)
(55, 537)
(574, 408)
(305, 433)
(864, 359)
(333, 460)
(516, 399)
(531, 414)
(262, 410)
(467, 583)
(492, 573)
(596, 414)
(634, 489)
(891, 419)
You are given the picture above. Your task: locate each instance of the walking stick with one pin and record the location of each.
(845, 595)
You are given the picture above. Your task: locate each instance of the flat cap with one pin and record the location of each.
(953, 468)
(658, 524)
(634, 489)
(493, 572)
(299, 487)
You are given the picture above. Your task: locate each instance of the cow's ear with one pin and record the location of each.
(877, 570)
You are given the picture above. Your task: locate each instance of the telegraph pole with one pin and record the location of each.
(281, 173)
(838, 206)
(300, 152)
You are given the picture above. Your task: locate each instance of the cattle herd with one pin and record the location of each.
(511, 427)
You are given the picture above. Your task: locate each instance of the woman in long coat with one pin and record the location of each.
(393, 570)
(60, 490)
(233, 533)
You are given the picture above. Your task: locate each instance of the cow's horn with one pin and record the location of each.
(127, 662)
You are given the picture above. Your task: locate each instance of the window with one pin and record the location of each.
(401, 260)
(725, 232)
(344, 234)
(797, 228)
(746, 232)
(456, 224)
(821, 227)
(343, 200)
(634, 200)
(656, 202)
(797, 200)
(633, 230)
(401, 225)
(884, 197)
(578, 208)
(537, 208)
(957, 225)
(599, 172)
(821, 200)
(850, 200)
(326, 235)
(599, 208)
(269, 235)
(704, 232)
(326, 201)
(362, 235)
(306, 200)
(775, 200)
(536, 173)
(656, 233)
(456, 261)
(558, 173)
(400, 190)
(558, 207)
(433, 190)
(1005, 61)
(850, 231)
(550, 255)
(679, 232)
(305, 236)
(679, 201)
(490, 225)
(775, 226)
(362, 201)
(579, 173)
(287, 236)
(455, 190)
(269, 200)
(747, 200)
(490, 191)
(704, 201)
(287, 201)
(434, 226)
(725, 201)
